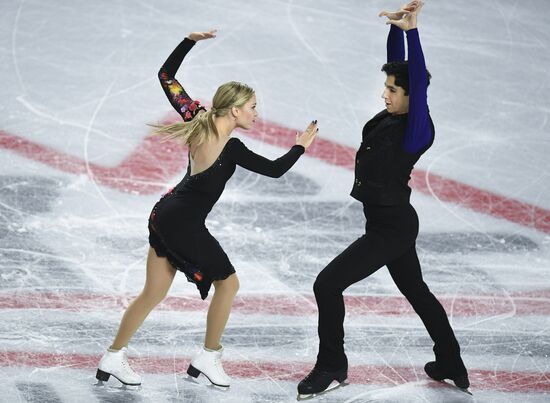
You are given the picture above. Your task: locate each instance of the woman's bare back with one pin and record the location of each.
(203, 156)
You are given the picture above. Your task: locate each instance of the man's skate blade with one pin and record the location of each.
(452, 385)
(467, 391)
(334, 385)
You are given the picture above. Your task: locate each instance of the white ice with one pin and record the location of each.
(79, 77)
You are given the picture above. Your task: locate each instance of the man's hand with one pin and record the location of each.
(405, 17)
(397, 15)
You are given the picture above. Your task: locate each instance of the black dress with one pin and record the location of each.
(177, 227)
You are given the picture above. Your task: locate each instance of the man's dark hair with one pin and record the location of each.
(401, 72)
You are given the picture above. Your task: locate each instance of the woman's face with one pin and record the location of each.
(246, 114)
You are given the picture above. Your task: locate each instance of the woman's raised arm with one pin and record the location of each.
(178, 97)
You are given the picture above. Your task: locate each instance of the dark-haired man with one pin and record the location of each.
(393, 141)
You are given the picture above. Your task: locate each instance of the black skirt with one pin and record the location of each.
(176, 234)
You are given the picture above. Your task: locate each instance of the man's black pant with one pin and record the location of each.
(390, 237)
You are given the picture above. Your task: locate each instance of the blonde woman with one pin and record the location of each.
(178, 237)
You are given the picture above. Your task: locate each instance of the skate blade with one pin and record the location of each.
(452, 385)
(467, 391)
(121, 386)
(331, 387)
(203, 382)
(128, 386)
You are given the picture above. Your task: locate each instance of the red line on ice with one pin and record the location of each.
(505, 381)
(153, 163)
(287, 305)
(143, 172)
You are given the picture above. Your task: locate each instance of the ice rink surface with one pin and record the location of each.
(80, 175)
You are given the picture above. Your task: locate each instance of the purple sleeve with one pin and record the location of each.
(395, 45)
(175, 93)
(418, 132)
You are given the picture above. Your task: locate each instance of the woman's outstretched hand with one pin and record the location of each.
(306, 138)
(199, 36)
(405, 17)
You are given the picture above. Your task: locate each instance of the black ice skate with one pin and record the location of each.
(435, 372)
(318, 382)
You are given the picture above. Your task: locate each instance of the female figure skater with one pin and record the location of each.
(178, 236)
(392, 143)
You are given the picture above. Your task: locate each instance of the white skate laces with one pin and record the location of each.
(115, 363)
(209, 363)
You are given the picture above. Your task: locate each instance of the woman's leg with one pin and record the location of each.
(219, 310)
(160, 275)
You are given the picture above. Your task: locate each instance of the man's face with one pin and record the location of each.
(394, 96)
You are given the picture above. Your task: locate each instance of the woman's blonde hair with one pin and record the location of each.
(201, 127)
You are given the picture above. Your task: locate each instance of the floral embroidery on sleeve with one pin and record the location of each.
(180, 100)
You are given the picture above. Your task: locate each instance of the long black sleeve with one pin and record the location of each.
(174, 91)
(256, 163)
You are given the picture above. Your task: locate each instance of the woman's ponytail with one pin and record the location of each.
(201, 127)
